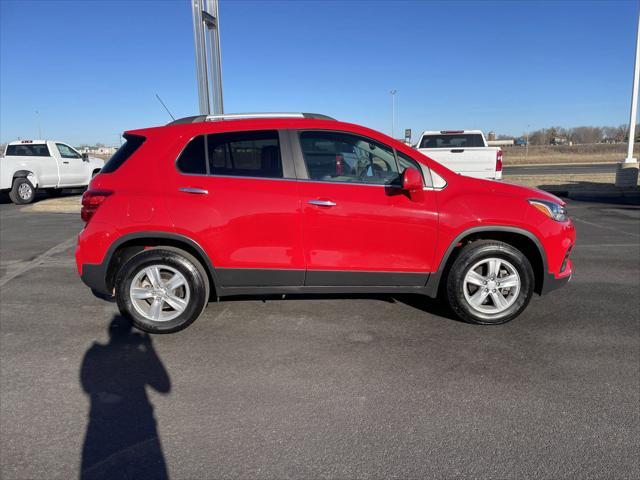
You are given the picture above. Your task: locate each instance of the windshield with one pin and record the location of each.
(457, 140)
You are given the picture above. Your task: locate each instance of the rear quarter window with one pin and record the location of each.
(123, 153)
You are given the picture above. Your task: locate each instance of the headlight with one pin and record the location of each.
(551, 209)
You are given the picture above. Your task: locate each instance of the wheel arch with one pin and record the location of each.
(522, 239)
(28, 174)
(130, 244)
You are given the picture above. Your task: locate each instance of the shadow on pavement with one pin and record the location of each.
(595, 192)
(122, 440)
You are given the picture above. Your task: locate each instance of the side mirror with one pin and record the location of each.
(85, 157)
(411, 179)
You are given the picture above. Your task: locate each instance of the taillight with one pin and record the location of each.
(499, 161)
(91, 200)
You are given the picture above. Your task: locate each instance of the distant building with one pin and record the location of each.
(491, 136)
(98, 150)
(559, 141)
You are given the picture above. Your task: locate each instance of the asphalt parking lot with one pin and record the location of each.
(350, 387)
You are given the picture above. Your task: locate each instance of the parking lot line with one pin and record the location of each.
(40, 259)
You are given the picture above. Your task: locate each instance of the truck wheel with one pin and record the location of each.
(490, 282)
(22, 191)
(161, 291)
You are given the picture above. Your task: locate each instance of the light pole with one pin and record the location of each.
(526, 147)
(206, 33)
(627, 172)
(393, 112)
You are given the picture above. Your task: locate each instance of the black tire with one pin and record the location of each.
(17, 191)
(53, 192)
(182, 262)
(471, 255)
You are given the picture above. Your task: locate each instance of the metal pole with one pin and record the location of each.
(206, 34)
(634, 99)
(393, 112)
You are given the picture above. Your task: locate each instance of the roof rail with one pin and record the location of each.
(240, 116)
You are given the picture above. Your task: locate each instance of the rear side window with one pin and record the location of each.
(238, 154)
(28, 150)
(458, 140)
(192, 159)
(123, 153)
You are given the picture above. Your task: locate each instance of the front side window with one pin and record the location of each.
(28, 150)
(238, 154)
(66, 151)
(344, 157)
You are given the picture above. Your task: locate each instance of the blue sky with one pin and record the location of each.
(92, 68)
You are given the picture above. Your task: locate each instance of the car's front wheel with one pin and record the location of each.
(22, 191)
(162, 290)
(490, 282)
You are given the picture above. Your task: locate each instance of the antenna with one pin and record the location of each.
(165, 107)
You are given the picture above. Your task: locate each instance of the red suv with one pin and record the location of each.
(207, 207)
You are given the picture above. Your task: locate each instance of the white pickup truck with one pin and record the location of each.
(28, 165)
(463, 151)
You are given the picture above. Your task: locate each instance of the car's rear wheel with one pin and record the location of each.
(490, 282)
(22, 191)
(162, 290)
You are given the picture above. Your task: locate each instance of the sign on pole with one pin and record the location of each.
(206, 33)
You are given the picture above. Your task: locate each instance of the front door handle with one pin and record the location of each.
(322, 203)
(197, 191)
(66, 163)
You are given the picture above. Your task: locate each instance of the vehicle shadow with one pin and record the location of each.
(594, 192)
(428, 305)
(40, 195)
(121, 439)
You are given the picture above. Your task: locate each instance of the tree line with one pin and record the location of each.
(578, 135)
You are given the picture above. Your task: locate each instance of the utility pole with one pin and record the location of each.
(393, 112)
(206, 33)
(526, 147)
(39, 129)
(627, 172)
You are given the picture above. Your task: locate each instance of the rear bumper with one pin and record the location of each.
(94, 276)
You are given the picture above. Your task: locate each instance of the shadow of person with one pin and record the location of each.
(122, 439)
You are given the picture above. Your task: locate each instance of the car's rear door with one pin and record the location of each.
(236, 195)
(359, 228)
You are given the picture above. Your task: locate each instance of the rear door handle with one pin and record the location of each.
(457, 150)
(66, 163)
(197, 191)
(322, 203)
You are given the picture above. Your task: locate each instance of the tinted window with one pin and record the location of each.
(343, 157)
(28, 150)
(66, 151)
(123, 153)
(245, 154)
(457, 140)
(192, 159)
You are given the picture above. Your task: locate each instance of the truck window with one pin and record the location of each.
(66, 151)
(457, 140)
(28, 150)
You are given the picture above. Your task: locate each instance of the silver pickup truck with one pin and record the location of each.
(28, 165)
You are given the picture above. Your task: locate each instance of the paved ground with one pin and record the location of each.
(560, 169)
(366, 387)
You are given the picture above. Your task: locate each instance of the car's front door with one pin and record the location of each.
(359, 227)
(73, 170)
(233, 194)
